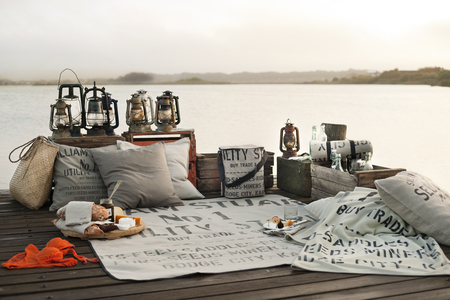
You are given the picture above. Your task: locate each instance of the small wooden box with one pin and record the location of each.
(148, 138)
(294, 176)
(327, 182)
(208, 180)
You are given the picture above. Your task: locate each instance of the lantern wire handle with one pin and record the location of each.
(59, 80)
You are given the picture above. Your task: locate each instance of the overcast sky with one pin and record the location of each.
(109, 38)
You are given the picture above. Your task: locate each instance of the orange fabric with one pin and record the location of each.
(50, 256)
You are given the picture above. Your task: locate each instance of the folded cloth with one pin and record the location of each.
(62, 224)
(78, 212)
(50, 256)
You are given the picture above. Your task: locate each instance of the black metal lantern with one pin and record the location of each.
(61, 122)
(75, 99)
(167, 112)
(289, 143)
(110, 109)
(96, 118)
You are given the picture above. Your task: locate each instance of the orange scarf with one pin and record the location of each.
(51, 256)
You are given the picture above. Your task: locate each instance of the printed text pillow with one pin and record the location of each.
(420, 202)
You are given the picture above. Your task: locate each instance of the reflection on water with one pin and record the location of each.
(406, 124)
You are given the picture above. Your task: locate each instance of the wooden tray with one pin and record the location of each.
(115, 234)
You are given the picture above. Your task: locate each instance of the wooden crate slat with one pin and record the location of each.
(330, 181)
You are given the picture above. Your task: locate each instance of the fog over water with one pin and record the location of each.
(110, 38)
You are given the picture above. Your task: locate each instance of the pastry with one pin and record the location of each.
(93, 230)
(276, 222)
(99, 213)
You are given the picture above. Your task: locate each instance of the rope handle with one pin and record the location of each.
(31, 145)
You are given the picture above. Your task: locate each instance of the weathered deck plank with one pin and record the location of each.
(20, 226)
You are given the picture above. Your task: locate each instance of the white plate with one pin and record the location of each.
(266, 225)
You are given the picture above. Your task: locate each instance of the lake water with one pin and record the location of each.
(407, 125)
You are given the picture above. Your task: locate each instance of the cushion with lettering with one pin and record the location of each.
(177, 157)
(76, 176)
(420, 202)
(145, 177)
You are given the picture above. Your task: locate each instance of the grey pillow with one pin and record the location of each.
(420, 202)
(76, 176)
(146, 180)
(177, 157)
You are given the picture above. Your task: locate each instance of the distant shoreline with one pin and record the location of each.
(433, 76)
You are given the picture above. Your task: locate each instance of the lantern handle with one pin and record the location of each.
(59, 80)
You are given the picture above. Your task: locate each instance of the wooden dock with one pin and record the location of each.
(20, 226)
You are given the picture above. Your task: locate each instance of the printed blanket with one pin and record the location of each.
(204, 236)
(358, 233)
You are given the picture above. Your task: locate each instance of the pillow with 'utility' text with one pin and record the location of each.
(76, 176)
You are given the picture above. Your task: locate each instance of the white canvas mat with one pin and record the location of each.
(204, 236)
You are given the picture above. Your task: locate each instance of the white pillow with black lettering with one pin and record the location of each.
(420, 202)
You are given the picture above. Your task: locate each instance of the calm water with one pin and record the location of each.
(407, 125)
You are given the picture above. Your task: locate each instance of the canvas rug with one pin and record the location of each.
(358, 233)
(204, 236)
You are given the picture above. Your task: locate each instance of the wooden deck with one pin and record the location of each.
(20, 226)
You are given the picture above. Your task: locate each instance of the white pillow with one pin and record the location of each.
(177, 157)
(420, 202)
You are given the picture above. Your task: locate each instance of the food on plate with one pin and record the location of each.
(117, 212)
(288, 223)
(99, 213)
(275, 222)
(93, 230)
(107, 227)
(137, 220)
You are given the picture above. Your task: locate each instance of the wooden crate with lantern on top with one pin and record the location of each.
(327, 182)
(208, 180)
(148, 138)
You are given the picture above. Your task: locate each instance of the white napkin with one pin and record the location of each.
(62, 224)
(78, 212)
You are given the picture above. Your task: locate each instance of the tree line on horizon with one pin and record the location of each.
(434, 76)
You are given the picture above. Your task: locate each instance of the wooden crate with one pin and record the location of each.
(327, 182)
(208, 180)
(89, 141)
(294, 176)
(148, 138)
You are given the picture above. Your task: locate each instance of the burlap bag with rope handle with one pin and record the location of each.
(31, 183)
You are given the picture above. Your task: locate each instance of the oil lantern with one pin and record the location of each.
(147, 106)
(75, 102)
(61, 122)
(167, 112)
(73, 98)
(109, 106)
(137, 113)
(96, 118)
(289, 143)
